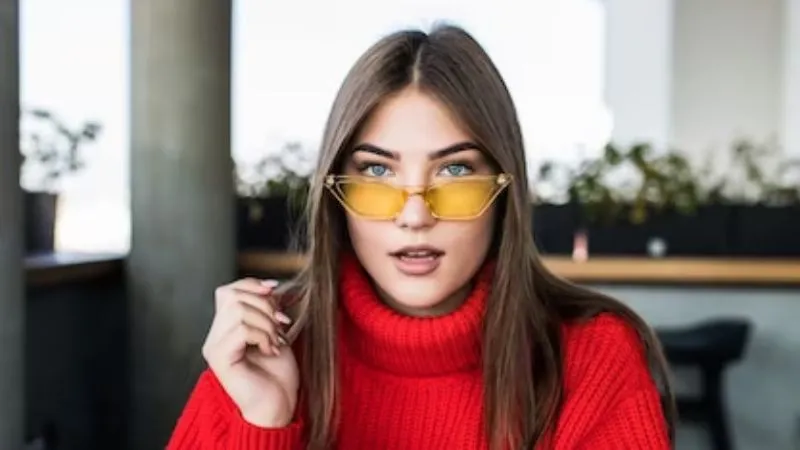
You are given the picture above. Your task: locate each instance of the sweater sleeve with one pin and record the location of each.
(211, 421)
(635, 423)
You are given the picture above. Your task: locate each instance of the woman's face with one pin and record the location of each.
(421, 265)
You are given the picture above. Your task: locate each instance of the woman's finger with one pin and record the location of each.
(254, 285)
(242, 312)
(265, 304)
(224, 294)
(233, 346)
(237, 307)
(257, 319)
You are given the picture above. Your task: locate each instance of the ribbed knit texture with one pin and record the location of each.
(415, 383)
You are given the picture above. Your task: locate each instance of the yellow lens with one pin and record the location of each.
(461, 198)
(372, 199)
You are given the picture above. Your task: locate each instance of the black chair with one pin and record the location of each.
(710, 346)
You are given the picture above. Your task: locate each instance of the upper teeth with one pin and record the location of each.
(419, 253)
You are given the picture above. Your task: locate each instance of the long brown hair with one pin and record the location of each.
(523, 368)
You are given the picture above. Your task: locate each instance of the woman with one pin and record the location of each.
(424, 318)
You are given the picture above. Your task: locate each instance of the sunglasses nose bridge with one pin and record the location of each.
(414, 190)
(410, 192)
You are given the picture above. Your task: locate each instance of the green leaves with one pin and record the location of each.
(285, 174)
(650, 181)
(50, 149)
(638, 181)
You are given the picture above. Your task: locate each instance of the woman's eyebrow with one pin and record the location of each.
(436, 154)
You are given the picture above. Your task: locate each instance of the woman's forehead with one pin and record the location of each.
(412, 123)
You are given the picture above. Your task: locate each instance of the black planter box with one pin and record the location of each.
(705, 232)
(39, 212)
(554, 228)
(275, 224)
(767, 231)
(269, 223)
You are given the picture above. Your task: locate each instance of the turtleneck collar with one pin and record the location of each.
(405, 345)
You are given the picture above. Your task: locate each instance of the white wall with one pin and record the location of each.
(638, 69)
(727, 72)
(791, 116)
(699, 74)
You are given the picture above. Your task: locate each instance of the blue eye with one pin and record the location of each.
(374, 170)
(456, 170)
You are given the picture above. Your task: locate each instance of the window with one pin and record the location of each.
(74, 64)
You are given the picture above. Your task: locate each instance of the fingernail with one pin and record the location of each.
(281, 340)
(269, 283)
(282, 318)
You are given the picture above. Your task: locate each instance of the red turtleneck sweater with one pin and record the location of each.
(415, 383)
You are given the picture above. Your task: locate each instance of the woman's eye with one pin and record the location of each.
(374, 170)
(456, 170)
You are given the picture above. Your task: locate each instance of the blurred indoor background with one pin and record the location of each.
(166, 146)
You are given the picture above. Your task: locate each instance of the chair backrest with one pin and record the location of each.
(713, 341)
(729, 336)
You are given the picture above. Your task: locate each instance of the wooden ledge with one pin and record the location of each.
(612, 270)
(677, 270)
(58, 268)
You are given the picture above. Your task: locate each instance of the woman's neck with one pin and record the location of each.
(451, 303)
(404, 343)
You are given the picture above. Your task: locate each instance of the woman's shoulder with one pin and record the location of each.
(610, 398)
(603, 328)
(606, 348)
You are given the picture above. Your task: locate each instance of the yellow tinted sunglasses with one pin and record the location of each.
(459, 198)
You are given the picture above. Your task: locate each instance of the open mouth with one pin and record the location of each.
(417, 260)
(418, 255)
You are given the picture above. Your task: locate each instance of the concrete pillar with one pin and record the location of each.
(182, 200)
(12, 317)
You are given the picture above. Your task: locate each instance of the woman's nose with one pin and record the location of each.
(415, 213)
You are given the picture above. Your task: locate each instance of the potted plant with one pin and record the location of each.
(764, 187)
(627, 200)
(51, 151)
(668, 213)
(570, 199)
(638, 201)
(652, 206)
(271, 200)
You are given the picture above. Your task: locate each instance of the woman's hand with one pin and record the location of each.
(247, 351)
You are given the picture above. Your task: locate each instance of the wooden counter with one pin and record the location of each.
(616, 270)
(64, 267)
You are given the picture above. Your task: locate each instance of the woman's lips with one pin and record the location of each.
(418, 260)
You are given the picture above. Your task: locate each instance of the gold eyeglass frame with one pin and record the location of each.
(334, 184)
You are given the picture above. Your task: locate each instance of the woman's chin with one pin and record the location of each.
(423, 301)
